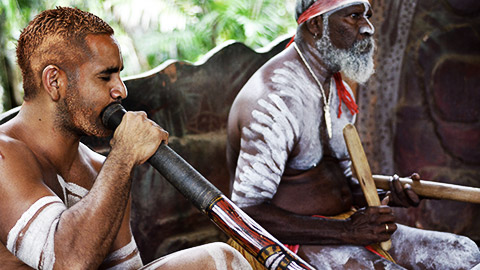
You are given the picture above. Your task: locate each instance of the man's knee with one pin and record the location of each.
(212, 256)
(433, 250)
(226, 257)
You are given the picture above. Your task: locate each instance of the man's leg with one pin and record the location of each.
(218, 256)
(344, 257)
(423, 249)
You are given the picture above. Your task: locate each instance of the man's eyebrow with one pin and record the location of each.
(110, 70)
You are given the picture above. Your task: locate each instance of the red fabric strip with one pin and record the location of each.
(344, 96)
(371, 249)
(317, 8)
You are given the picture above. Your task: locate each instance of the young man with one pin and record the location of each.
(62, 205)
(289, 164)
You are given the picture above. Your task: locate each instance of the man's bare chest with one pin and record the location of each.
(72, 184)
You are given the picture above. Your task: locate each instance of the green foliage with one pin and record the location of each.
(152, 31)
(208, 23)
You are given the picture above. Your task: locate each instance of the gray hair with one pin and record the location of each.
(302, 5)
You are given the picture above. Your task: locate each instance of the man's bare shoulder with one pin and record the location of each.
(258, 87)
(15, 154)
(22, 181)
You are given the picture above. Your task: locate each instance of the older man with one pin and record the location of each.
(289, 164)
(62, 205)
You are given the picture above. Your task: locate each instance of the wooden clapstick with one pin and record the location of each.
(362, 170)
(434, 190)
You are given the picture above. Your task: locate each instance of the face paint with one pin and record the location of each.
(32, 238)
(364, 29)
(356, 62)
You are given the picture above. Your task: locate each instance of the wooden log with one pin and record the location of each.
(434, 190)
(362, 170)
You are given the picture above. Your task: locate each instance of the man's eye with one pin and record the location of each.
(354, 15)
(107, 78)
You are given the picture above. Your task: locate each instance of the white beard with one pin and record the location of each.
(355, 62)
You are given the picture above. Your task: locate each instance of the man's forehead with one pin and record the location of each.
(104, 49)
(99, 42)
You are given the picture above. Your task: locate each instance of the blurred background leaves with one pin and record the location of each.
(152, 31)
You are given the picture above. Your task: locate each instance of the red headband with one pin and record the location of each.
(323, 6)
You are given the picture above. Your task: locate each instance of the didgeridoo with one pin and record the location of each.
(212, 202)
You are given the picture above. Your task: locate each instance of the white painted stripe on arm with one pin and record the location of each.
(32, 238)
(265, 144)
(124, 252)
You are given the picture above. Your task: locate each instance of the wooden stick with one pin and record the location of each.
(434, 190)
(362, 170)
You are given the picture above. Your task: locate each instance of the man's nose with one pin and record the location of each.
(119, 91)
(366, 27)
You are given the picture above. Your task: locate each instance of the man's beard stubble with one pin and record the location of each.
(74, 116)
(355, 62)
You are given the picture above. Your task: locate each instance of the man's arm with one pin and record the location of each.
(366, 226)
(124, 251)
(82, 235)
(9, 261)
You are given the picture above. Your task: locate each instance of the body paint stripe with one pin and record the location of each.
(32, 237)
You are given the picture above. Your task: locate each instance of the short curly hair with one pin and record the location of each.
(55, 36)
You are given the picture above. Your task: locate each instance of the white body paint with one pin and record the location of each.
(135, 262)
(433, 250)
(289, 116)
(222, 255)
(367, 30)
(72, 192)
(222, 262)
(32, 238)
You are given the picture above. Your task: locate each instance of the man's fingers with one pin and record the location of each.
(380, 214)
(163, 134)
(386, 199)
(385, 228)
(385, 218)
(398, 191)
(383, 209)
(411, 195)
(415, 177)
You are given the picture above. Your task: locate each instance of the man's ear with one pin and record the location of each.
(315, 26)
(53, 81)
